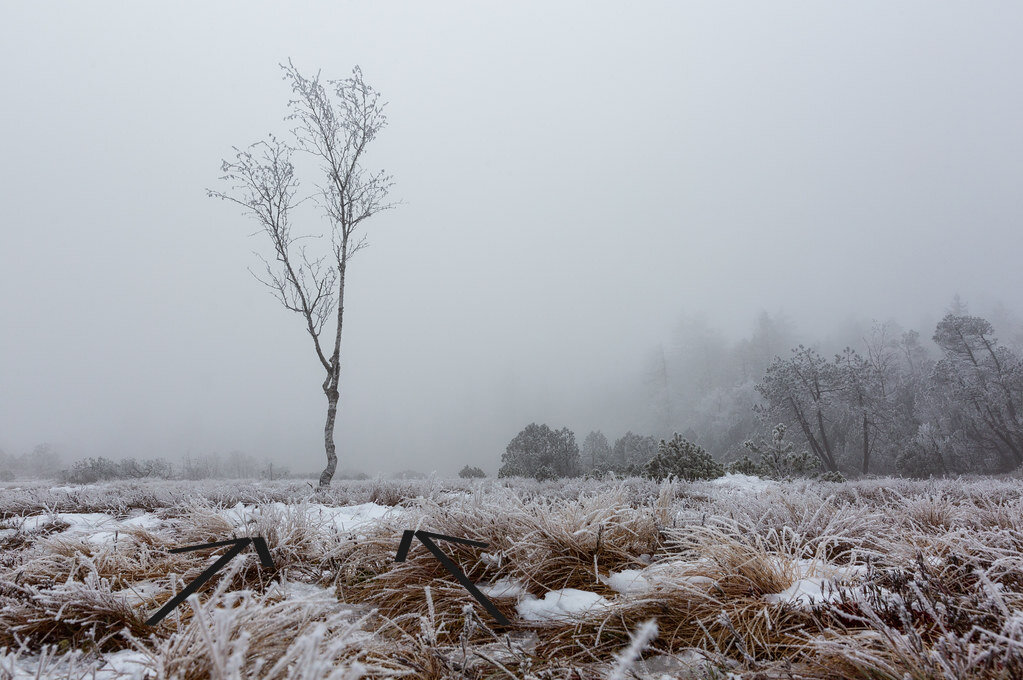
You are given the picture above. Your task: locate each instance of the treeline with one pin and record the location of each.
(892, 403)
(235, 465)
(44, 462)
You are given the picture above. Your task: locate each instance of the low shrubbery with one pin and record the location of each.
(235, 466)
(471, 472)
(99, 469)
(682, 459)
(776, 459)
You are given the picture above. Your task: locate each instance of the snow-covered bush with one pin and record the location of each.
(471, 472)
(776, 459)
(541, 452)
(683, 459)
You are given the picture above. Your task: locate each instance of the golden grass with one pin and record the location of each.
(933, 586)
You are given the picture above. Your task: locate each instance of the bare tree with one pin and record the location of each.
(335, 120)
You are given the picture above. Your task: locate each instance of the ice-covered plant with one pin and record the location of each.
(683, 459)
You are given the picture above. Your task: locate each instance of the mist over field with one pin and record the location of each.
(551, 341)
(578, 183)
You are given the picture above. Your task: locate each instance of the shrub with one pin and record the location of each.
(409, 474)
(744, 466)
(776, 459)
(6, 476)
(682, 459)
(99, 469)
(471, 472)
(540, 451)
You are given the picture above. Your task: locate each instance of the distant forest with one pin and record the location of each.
(894, 403)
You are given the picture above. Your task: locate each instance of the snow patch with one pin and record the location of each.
(504, 587)
(140, 591)
(344, 518)
(307, 592)
(95, 527)
(818, 582)
(744, 482)
(122, 664)
(627, 581)
(561, 605)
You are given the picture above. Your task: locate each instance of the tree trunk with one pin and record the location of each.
(830, 461)
(866, 446)
(328, 440)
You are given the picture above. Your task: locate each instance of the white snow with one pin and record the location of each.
(628, 581)
(504, 587)
(343, 518)
(122, 665)
(79, 521)
(140, 591)
(296, 590)
(145, 520)
(637, 581)
(561, 605)
(817, 582)
(95, 527)
(805, 592)
(744, 482)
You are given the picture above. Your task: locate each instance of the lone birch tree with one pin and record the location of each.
(334, 122)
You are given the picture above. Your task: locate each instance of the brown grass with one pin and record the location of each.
(933, 585)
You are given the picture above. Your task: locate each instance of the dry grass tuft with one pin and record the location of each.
(908, 580)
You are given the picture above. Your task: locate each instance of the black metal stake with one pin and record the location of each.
(427, 539)
(238, 544)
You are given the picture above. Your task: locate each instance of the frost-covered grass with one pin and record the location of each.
(738, 577)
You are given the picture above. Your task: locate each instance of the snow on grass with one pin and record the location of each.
(343, 518)
(933, 542)
(744, 482)
(121, 665)
(140, 591)
(95, 527)
(79, 521)
(670, 574)
(627, 581)
(504, 587)
(561, 605)
(308, 592)
(817, 583)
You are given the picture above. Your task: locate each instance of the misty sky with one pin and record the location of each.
(574, 178)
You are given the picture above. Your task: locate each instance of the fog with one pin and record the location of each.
(575, 178)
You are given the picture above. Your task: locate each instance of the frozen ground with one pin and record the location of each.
(739, 577)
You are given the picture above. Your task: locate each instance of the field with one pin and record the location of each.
(735, 578)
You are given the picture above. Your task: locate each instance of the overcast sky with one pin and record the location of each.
(574, 177)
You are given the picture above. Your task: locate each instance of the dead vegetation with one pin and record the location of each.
(878, 578)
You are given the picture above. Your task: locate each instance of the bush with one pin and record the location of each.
(356, 475)
(99, 469)
(471, 472)
(744, 466)
(682, 459)
(538, 451)
(776, 459)
(6, 476)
